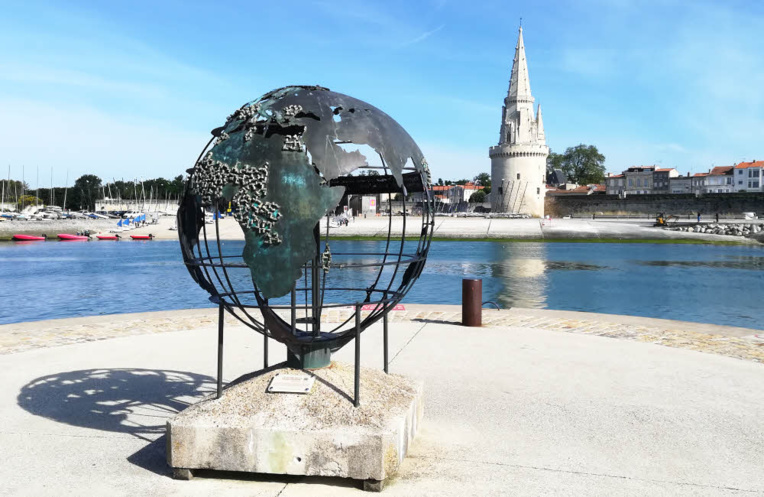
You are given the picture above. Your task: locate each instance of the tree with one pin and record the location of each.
(85, 192)
(27, 200)
(483, 179)
(477, 197)
(583, 164)
(554, 161)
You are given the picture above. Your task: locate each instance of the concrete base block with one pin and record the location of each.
(319, 433)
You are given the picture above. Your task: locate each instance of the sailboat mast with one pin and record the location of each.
(51, 185)
(23, 184)
(2, 202)
(37, 190)
(66, 189)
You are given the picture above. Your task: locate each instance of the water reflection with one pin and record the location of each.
(520, 271)
(741, 262)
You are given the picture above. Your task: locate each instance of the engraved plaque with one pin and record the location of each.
(291, 383)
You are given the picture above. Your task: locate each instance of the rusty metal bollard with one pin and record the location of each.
(472, 298)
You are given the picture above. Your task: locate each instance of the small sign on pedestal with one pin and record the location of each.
(291, 383)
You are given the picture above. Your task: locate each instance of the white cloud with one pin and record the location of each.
(423, 36)
(84, 140)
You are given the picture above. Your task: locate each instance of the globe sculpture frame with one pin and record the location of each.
(282, 164)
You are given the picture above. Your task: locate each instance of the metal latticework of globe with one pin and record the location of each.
(287, 167)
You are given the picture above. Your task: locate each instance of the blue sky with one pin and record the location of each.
(131, 89)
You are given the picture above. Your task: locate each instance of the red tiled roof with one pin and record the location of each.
(721, 170)
(615, 176)
(665, 169)
(700, 174)
(441, 188)
(745, 165)
(583, 189)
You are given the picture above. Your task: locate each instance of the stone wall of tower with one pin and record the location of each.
(518, 177)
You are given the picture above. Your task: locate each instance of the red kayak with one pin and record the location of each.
(29, 238)
(107, 237)
(72, 238)
(142, 237)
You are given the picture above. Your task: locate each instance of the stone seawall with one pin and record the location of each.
(678, 204)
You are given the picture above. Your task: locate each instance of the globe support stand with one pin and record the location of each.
(221, 321)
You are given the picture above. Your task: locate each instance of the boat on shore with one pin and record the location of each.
(142, 237)
(29, 238)
(108, 237)
(73, 238)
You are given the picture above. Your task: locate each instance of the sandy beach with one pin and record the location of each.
(472, 228)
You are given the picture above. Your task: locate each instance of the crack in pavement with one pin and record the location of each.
(407, 343)
(585, 473)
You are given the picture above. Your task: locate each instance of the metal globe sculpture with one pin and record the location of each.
(284, 165)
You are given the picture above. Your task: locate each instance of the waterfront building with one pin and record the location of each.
(614, 184)
(681, 184)
(719, 180)
(639, 180)
(662, 178)
(518, 162)
(748, 176)
(699, 183)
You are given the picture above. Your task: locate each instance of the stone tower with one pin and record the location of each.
(518, 162)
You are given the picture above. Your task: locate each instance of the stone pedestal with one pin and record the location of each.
(319, 433)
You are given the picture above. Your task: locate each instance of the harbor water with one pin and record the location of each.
(702, 283)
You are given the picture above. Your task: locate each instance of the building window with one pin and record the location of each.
(739, 182)
(538, 191)
(740, 171)
(518, 175)
(749, 184)
(755, 184)
(755, 173)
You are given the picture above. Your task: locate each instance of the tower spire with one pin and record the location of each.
(519, 84)
(541, 138)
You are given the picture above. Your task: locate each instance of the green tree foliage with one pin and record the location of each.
(85, 192)
(27, 200)
(582, 164)
(554, 161)
(477, 197)
(482, 179)
(13, 190)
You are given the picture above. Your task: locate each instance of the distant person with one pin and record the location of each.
(698, 216)
(717, 217)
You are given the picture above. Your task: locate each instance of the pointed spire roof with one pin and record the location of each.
(519, 84)
(540, 125)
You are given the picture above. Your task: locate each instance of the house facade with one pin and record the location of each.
(662, 179)
(614, 184)
(639, 180)
(719, 180)
(748, 176)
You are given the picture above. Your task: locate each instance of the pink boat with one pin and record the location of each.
(142, 237)
(107, 237)
(72, 238)
(29, 238)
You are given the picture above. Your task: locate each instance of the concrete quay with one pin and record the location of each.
(462, 228)
(535, 402)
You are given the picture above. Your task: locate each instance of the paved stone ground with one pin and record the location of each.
(520, 409)
(740, 343)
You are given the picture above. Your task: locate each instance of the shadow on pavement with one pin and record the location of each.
(133, 401)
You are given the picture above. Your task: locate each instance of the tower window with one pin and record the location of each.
(518, 175)
(538, 191)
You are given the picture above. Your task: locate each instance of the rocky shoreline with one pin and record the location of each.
(741, 229)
